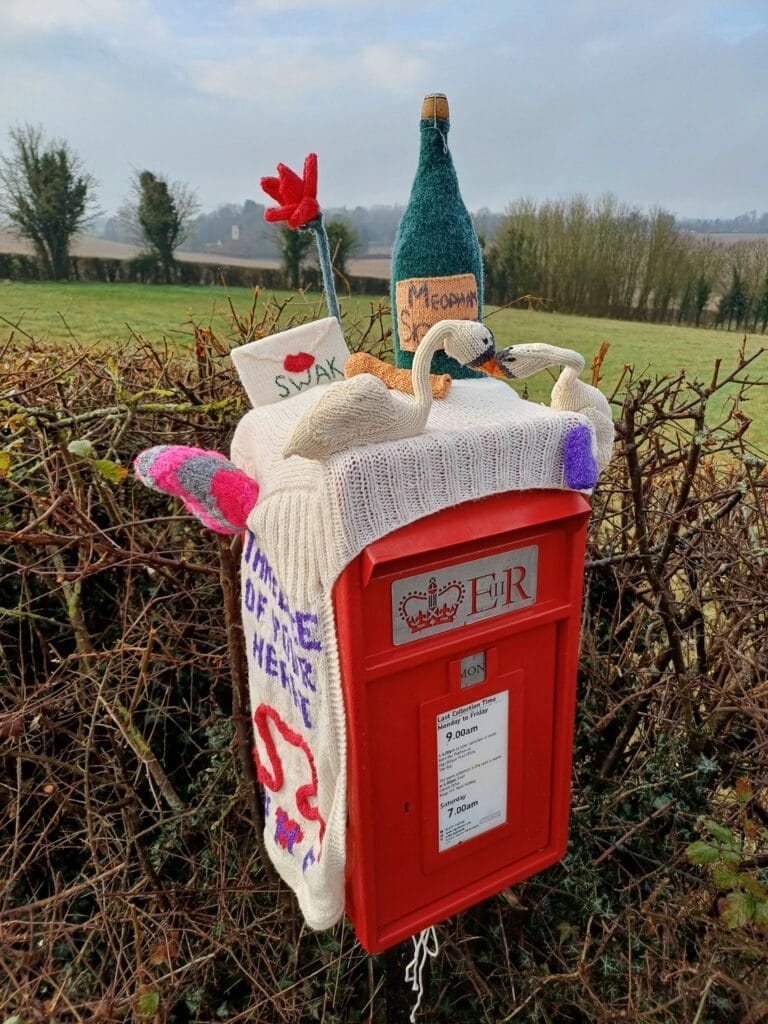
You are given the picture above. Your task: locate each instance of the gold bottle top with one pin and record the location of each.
(435, 105)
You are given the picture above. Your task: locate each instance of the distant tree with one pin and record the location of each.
(660, 265)
(701, 296)
(374, 226)
(745, 223)
(233, 230)
(46, 195)
(294, 247)
(739, 300)
(511, 258)
(723, 307)
(734, 305)
(159, 215)
(761, 308)
(343, 243)
(686, 300)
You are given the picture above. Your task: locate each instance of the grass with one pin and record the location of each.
(99, 313)
(652, 349)
(95, 312)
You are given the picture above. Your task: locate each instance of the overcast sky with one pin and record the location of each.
(659, 101)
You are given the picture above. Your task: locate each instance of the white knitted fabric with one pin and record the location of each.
(312, 518)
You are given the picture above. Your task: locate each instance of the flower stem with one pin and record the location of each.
(324, 255)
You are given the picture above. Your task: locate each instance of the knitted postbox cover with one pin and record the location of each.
(311, 520)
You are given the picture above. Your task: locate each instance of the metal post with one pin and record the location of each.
(397, 994)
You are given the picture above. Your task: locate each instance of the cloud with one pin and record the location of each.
(344, 6)
(658, 103)
(35, 16)
(391, 69)
(278, 6)
(271, 76)
(282, 74)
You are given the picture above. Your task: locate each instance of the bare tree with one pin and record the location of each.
(46, 195)
(343, 243)
(294, 248)
(604, 258)
(158, 214)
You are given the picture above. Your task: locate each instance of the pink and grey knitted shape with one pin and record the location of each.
(211, 487)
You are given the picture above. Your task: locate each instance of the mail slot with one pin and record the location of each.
(458, 641)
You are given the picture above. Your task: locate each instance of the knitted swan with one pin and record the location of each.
(362, 410)
(569, 393)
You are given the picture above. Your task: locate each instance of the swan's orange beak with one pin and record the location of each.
(491, 367)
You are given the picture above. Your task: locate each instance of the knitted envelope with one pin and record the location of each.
(285, 364)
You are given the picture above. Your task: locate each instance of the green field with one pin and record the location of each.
(102, 313)
(650, 349)
(96, 312)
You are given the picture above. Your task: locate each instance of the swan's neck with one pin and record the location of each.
(539, 355)
(568, 386)
(422, 361)
(569, 375)
(569, 360)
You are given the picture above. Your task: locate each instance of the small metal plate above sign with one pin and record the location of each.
(472, 669)
(435, 602)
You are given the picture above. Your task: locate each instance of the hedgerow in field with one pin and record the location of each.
(134, 887)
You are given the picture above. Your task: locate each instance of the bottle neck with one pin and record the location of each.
(434, 136)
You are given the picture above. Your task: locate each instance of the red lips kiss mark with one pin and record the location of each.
(298, 363)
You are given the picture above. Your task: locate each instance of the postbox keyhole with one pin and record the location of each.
(407, 806)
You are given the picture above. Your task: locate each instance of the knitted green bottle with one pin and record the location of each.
(437, 268)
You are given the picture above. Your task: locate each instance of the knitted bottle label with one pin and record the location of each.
(422, 302)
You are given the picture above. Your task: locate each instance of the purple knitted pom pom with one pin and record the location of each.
(579, 464)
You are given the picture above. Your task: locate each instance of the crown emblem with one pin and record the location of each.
(434, 606)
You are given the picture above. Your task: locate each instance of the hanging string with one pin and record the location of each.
(439, 131)
(424, 944)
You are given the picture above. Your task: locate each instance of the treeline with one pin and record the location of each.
(142, 269)
(750, 223)
(232, 229)
(235, 229)
(605, 258)
(147, 269)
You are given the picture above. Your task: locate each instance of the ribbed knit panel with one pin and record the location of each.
(311, 520)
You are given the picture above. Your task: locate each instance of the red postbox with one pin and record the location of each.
(458, 641)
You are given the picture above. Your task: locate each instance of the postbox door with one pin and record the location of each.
(460, 731)
(462, 800)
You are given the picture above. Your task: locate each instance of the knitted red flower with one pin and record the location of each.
(297, 196)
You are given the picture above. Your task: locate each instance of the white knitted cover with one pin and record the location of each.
(311, 519)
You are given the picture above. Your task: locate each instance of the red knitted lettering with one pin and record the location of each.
(272, 777)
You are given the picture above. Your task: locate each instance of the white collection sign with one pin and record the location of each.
(472, 752)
